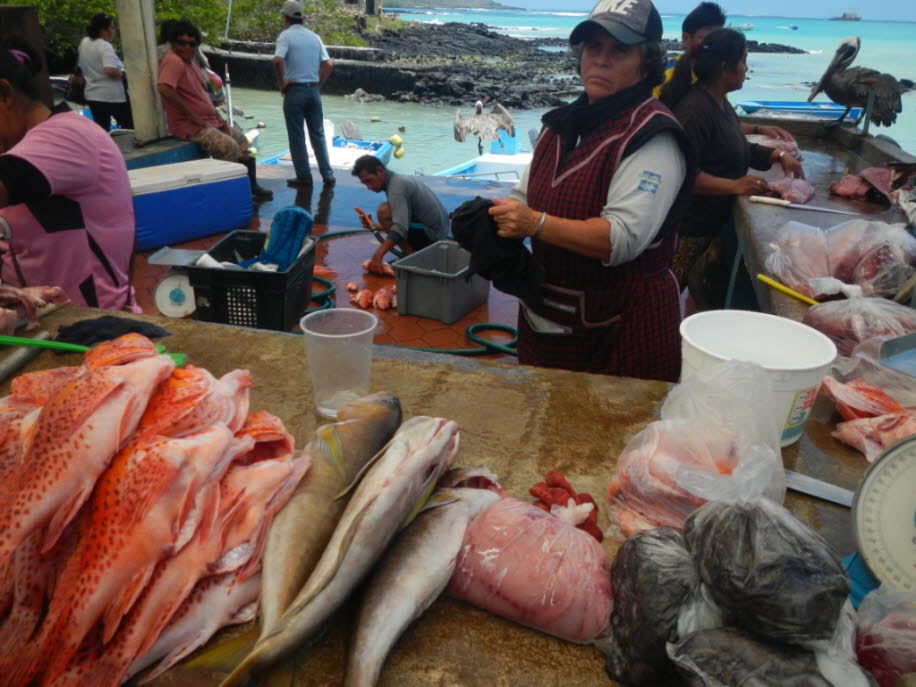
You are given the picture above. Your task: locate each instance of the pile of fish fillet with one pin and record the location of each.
(135, 501)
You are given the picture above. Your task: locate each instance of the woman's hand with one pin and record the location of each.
(749, 186)
(791, 166)
(514, 219)
(775, 132)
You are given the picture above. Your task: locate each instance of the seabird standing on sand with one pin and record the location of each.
(851, 87)
(482, 125)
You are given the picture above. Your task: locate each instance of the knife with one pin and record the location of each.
(797, 206)
(818, 488)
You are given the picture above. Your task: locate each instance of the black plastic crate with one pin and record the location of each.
(264, 300)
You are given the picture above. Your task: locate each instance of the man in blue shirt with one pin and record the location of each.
(302, 64)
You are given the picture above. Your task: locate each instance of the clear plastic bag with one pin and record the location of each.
(712, 443)
(798, 254)
(852, 321)
(875, 256)
(886, 640)
(864, 364)
(526, 565)
(770, 573)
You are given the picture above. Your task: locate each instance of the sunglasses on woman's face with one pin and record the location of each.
(187, 44)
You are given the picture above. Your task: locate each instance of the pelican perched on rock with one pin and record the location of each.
(483, 125)
(851, 87)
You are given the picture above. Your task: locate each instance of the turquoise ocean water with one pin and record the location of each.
(428, 143)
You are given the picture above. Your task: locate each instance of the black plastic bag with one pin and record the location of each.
(771, 574)
(652, 576)
(728, 658)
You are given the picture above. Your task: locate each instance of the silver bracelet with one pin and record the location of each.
(540, 225)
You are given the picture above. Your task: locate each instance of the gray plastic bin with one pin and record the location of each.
(432, 283)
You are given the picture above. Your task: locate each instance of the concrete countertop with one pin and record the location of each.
(518, 421)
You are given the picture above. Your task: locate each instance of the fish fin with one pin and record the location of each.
(422, 503)
(62, 517)
(362, 472)
(442, 497)
(328, 443)
(111, 619)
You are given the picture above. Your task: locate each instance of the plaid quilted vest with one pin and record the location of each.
(583, 296)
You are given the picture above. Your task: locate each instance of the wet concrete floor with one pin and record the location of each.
(332, 209)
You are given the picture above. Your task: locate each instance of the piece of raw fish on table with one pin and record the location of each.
(73, 443)
(230, 538)
(300, 532)
(854, 320)
(395, 485)
(526, 565)
(215, 602)
(791, 189)
(410, 577)
(872, 435)
(857, 399)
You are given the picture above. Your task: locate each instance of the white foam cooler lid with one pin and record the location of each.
(182, 174)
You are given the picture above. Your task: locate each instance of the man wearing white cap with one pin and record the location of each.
(610, 175)
(302, 64)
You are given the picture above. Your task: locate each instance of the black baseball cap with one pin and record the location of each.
(629, 21)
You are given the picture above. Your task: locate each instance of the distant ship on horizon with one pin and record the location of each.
(847, 16)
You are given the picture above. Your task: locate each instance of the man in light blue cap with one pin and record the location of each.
(302, 64)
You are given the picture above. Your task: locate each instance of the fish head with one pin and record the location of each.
(125, 349)
(431, 444)
(477, 477)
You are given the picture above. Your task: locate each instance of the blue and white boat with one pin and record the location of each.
(342, 152)
(824, 109)
(504, 162)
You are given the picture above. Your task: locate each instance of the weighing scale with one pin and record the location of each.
(884, 516)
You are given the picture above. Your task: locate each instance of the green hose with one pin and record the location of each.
(325, 302)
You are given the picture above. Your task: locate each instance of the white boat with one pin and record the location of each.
(342, 152)
(741, 27)
(504, 162)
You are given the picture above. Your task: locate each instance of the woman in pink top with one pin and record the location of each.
(66, 213)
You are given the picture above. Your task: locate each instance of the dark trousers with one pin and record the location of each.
(102, 114)
(417, 238)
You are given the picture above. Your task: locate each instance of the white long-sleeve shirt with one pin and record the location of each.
(639, 196)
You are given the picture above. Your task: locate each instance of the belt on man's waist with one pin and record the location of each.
(307, 84)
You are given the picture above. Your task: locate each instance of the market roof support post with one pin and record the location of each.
(138, 37)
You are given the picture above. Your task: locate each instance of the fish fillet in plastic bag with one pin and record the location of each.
(886, 641)
(526, 565)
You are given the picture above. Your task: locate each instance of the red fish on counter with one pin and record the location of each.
(215, 602)
(858, 399)
(872, 435)
(73, 443)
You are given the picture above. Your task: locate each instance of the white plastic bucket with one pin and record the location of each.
(796, 356)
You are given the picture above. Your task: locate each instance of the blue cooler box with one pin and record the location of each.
(189, 200)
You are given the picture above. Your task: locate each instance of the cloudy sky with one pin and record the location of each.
(896, 10)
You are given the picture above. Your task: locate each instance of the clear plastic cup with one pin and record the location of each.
(339, 347)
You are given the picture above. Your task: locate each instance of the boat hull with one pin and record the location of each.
(827, 110)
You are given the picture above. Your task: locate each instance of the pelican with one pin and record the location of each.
(482, 125)
(851, 87)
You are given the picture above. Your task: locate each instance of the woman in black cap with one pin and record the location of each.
(610, 174)
(104, 74)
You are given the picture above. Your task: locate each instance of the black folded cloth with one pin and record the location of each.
(506, 262)
(106, 328)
